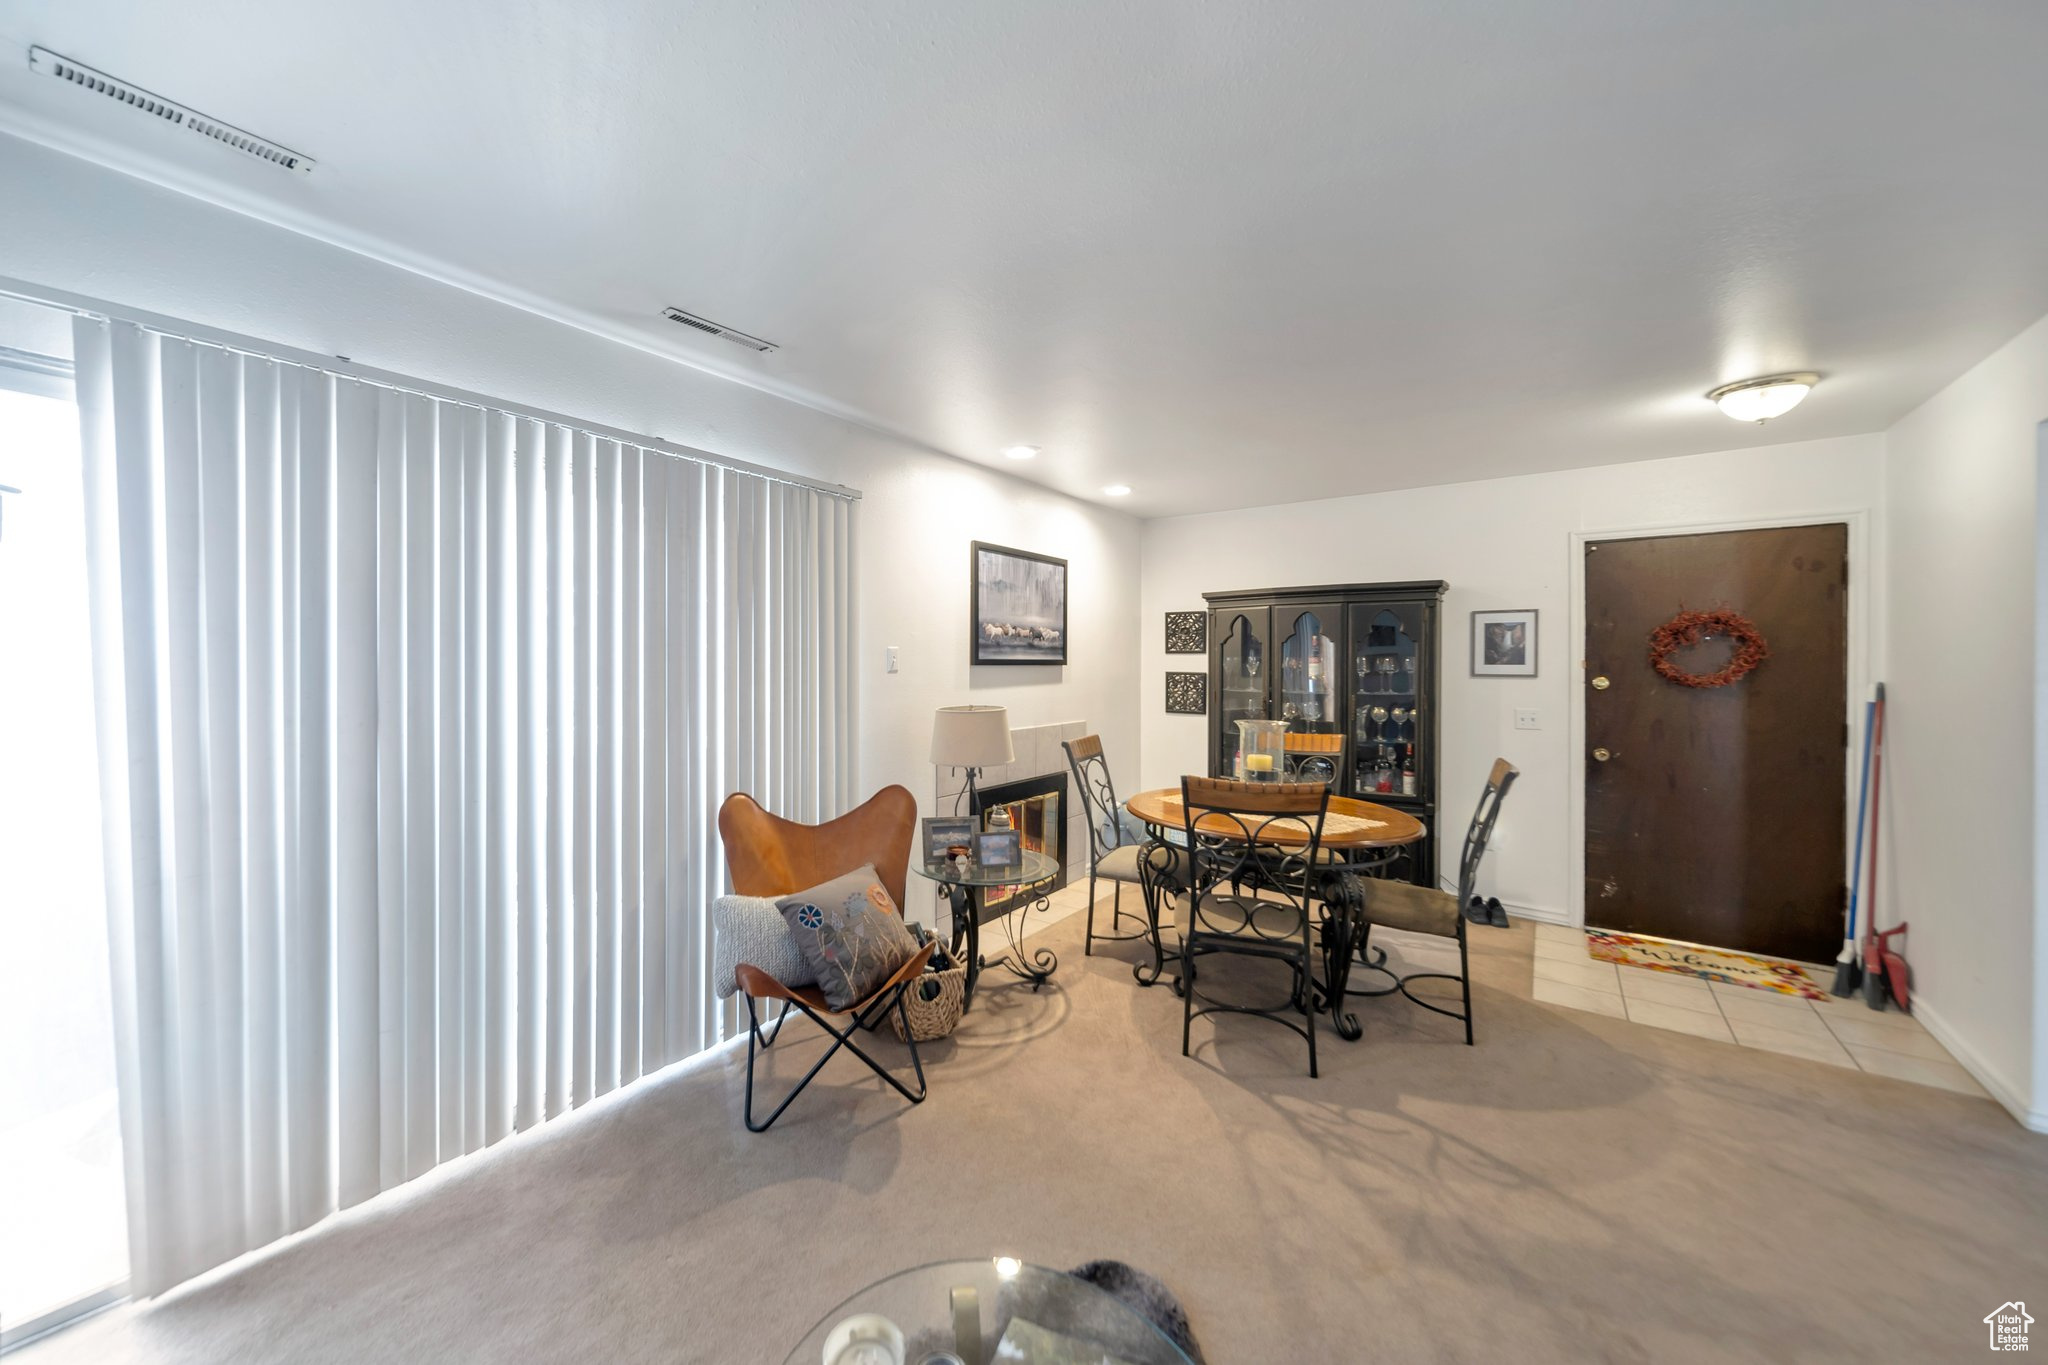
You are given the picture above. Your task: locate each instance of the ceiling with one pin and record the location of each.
(1223, 254)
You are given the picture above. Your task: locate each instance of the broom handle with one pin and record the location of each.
(1876, 796)
(1862, 810)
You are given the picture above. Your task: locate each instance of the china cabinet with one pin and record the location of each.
(1354, 672)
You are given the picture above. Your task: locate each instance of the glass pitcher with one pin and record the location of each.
(1261, 750)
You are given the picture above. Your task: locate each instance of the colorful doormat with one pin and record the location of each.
(1739, 969)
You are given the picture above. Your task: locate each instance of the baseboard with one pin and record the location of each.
(1540, 914)
(2002, 1090)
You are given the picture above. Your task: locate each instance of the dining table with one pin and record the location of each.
(1359, 837)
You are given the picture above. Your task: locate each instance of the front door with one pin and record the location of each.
(1715, 815)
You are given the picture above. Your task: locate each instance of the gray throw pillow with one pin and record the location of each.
(749, 929)
(850, 933)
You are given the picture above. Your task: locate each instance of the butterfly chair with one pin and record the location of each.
(1252, 879)
(771, 856)
(1425, 910)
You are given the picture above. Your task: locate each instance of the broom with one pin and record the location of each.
(1845, 961)
(1874, 992)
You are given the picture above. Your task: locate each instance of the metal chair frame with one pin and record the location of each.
(1476, 836)
(865, 1017)
(1105, 835)
(1242, 854)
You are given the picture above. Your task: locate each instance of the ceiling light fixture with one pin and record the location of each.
(1117, 490)
(1759, 400)
(1019, 452)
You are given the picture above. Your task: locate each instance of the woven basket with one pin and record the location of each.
(937, 1017)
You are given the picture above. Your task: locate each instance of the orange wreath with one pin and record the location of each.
(1689, 628)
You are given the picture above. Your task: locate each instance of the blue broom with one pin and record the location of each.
(1846, 972)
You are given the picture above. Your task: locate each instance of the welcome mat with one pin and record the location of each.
(1711, 964)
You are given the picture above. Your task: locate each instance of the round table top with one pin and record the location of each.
(1364, 824)
(1027, 1309)
(1036, 867)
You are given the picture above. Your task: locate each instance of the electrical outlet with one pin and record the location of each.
(889, 659)
(1525, 718)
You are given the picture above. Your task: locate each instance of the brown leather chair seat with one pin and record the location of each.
(1415, 909)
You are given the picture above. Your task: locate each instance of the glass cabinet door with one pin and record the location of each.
(1309, 686)
(1389, 673)
(1242, 677)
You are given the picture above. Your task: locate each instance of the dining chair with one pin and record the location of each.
(1393, 904)
(1113, 854)
(770, 856)
(1252, 873)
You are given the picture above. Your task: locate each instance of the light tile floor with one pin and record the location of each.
(1836, 1032)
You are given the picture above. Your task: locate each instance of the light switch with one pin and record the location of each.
(1525, 718)
(889, 659)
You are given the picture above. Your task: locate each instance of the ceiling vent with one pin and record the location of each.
(707, 325)
(62, 68)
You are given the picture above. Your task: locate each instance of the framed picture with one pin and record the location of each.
(945, 832)
(1504, 644)
(1019, 607)
(1187, 632)
(997, 850)
(1187, 694)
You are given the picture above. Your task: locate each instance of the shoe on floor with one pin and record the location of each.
(1476, 912)
(1496, 913)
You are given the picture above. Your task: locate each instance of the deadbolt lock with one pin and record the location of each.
(1601, 684)
(1601, 755)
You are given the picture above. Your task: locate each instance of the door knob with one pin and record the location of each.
(1601, 684)
(1601, 755)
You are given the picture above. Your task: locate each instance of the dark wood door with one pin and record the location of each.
(1718, 815)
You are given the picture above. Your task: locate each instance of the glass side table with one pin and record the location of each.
(983, 1313)
(1037, 872)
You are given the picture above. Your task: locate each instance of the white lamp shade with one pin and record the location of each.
(972, 737)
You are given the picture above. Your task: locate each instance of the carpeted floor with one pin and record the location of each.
(1575, 1188)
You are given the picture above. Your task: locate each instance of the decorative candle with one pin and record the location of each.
(1258, 763)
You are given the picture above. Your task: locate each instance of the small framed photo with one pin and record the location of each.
(1504, 644)
(944, 833)
(998, 850)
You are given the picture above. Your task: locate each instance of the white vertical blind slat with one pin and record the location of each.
(655, 1042)
(504, 888)
(604, 823)
(263, 862)
(561, 756)
(358, 894)
(392, 1089)
(414, 721)
(631, 684)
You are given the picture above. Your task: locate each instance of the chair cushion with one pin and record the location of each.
(1121, 864)
(750, 929)
(851, 935)
(1417, 909)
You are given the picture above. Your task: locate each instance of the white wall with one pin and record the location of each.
(1502, 543)
(1965, 686)
(74, 226)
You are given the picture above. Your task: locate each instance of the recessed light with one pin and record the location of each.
(1117, 490)
(1019, 452)
(1759, 400)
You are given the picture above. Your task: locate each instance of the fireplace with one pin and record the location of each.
(1038, 812)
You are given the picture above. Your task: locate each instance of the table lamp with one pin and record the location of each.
(971, 737)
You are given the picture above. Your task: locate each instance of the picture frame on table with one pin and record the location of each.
(944, 833)
(1504, 643)
(999, 850)
(1017, 606)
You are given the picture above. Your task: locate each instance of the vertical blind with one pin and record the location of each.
(414, 716)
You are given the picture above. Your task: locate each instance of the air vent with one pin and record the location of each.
(707, 325)
(49, 63)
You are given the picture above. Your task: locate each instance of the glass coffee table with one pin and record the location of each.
(1037, 871)
(992, 1312)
